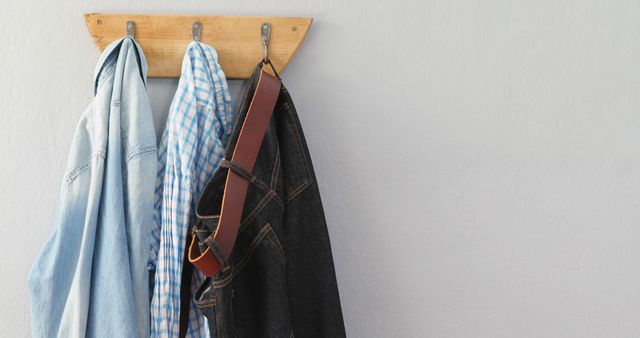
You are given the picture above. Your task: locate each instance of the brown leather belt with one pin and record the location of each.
(235, 189)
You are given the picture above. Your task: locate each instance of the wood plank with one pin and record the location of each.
(164, 39)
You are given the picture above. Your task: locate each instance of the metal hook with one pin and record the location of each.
(265, 33)
(131, 29)
(196, 31)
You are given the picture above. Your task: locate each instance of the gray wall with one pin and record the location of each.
(479, 162)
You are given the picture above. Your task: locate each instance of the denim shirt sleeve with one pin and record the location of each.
(91, 272)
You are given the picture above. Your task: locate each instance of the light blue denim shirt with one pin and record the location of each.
(90, 279)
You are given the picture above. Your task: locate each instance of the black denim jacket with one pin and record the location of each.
(280, 279)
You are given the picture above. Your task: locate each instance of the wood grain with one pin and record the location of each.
(164, 39)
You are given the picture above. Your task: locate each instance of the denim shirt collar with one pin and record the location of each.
(106, 66)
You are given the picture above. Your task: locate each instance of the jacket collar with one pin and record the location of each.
(110, 53)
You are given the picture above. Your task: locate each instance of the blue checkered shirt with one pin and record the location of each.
(199, 123)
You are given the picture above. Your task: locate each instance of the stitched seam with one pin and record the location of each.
(278, 199)
(129, 156)
(140, 151)
(276, 169)
(217, 252)
(297, 191)
(298, 139)
(256, 241)
(76, 172)
(238, 169)
(256, 210)
(261, 204)
(219, 322)
(276, 243)
(263, 186)
(254, 180)
(73, 174)
(206, 303)
(125, 141)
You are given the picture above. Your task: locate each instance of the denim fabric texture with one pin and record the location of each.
(90, 278)
(192, 145)
(280, 279)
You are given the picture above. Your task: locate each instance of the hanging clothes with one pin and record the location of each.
(89, 280)
(198, 126)
(279, 280)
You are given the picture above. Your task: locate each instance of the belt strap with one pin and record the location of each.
(235, 190)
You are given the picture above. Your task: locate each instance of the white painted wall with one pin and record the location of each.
(479, 162)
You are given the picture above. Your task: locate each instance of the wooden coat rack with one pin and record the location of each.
(237, 39)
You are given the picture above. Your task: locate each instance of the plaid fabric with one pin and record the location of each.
(191, 148)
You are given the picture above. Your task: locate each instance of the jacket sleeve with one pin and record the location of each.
(311, 278)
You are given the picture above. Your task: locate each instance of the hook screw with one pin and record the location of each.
(265, 33)
(131, 29)
(196, 31)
